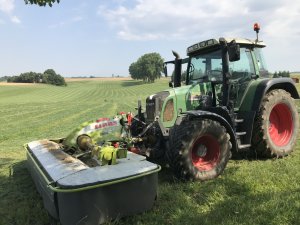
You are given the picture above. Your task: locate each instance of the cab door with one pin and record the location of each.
(242, 72)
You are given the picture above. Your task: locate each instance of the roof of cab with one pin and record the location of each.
(204, 45)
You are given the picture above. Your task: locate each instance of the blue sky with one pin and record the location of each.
(101, 38)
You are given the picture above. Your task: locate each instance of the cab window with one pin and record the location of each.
(241, 74)
(244, 68)
(206, 67)
(263, 71)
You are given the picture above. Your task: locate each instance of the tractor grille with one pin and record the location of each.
(151, 108)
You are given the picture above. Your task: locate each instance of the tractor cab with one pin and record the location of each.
(225, 67)
(216, 74)
(219, 71)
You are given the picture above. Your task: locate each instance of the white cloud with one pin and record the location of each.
(285, 21)
(67, 22)
(7, 7)
(172, 19)
(15, 19)
(193, 20)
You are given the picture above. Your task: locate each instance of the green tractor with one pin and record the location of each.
(226, 105)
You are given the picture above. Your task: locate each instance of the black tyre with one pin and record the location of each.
(199, 149)
(276, 125)
(157, 151)
(155, 144)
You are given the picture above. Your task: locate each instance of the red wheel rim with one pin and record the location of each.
(205, 153)
(281, 125)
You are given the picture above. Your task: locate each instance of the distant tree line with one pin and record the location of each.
(281, 74)
(4, 78)
(147, 68)
(48, 77)
(84, 77)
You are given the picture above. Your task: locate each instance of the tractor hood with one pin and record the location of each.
(169, 103)
(191, 97)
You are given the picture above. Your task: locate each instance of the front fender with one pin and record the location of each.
(194, 114)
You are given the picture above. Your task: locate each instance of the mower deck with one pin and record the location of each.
(75, 192)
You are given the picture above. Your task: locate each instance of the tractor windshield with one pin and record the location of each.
(205, 67)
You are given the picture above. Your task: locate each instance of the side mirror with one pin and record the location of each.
(165, 70)
(171, 84)
(233, 51)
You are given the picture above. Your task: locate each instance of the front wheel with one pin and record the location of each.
(276, 126)
(199, 149)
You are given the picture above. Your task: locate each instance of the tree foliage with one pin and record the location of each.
(29, 77)
(48, 77)
(42, 2)
(281, 74)
(148, 67)
(4, 78)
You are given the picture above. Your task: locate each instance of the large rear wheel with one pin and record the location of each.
(276, 126)
(199, 149)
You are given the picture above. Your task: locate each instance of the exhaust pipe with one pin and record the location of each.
(177, 70)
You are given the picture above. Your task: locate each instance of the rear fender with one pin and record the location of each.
(255, 94)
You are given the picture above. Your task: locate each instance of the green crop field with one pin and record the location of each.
(248, 192)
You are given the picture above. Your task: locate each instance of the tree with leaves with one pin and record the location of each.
(275, 75)
(281, 74)
(50, 77)
(135, 71)
(41, 2)
(28, 77)
(148, 67)
(4, 78)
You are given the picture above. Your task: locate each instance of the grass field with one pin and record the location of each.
(248, 192)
